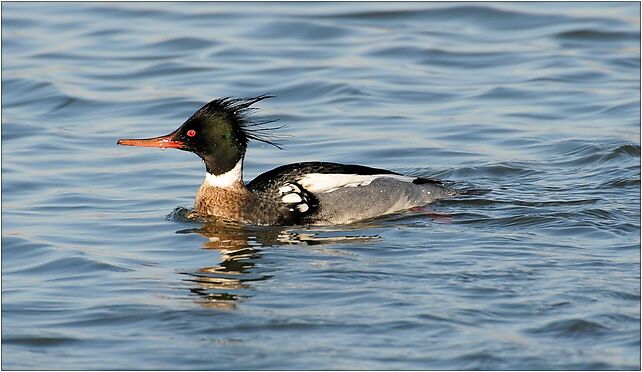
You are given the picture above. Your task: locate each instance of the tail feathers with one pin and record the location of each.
(448, 186)
(423, 181)
(472, 192)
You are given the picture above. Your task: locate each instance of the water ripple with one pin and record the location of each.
(531, 110)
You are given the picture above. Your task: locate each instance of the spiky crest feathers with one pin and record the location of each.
(239, 110)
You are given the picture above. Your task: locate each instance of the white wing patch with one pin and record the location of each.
(328, 182)
(293, 195)
(292, 198)
(288, 188)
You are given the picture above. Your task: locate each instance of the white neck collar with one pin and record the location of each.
(228, 179)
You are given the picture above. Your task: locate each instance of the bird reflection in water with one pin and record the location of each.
(241, 248)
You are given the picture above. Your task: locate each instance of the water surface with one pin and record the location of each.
(539, 103)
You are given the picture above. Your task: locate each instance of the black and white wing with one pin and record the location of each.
(340, 193)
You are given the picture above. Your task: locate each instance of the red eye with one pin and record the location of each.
(191, 133)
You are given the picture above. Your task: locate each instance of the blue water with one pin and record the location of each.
(538, 102)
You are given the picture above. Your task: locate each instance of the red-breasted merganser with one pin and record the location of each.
(293, 194)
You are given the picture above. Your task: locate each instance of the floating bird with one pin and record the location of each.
(295, 194)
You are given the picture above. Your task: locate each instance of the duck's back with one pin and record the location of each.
(332, 193)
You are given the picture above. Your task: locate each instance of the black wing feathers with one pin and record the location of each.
(302, 204)
(292, 172)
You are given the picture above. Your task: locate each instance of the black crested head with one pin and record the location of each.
(220, 131)
(236, 112)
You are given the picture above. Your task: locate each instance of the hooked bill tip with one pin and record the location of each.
(126, 142)
(162, 142)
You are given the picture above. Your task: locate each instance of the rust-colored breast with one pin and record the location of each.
(236, 203)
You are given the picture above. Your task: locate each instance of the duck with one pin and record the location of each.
(304, 193)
